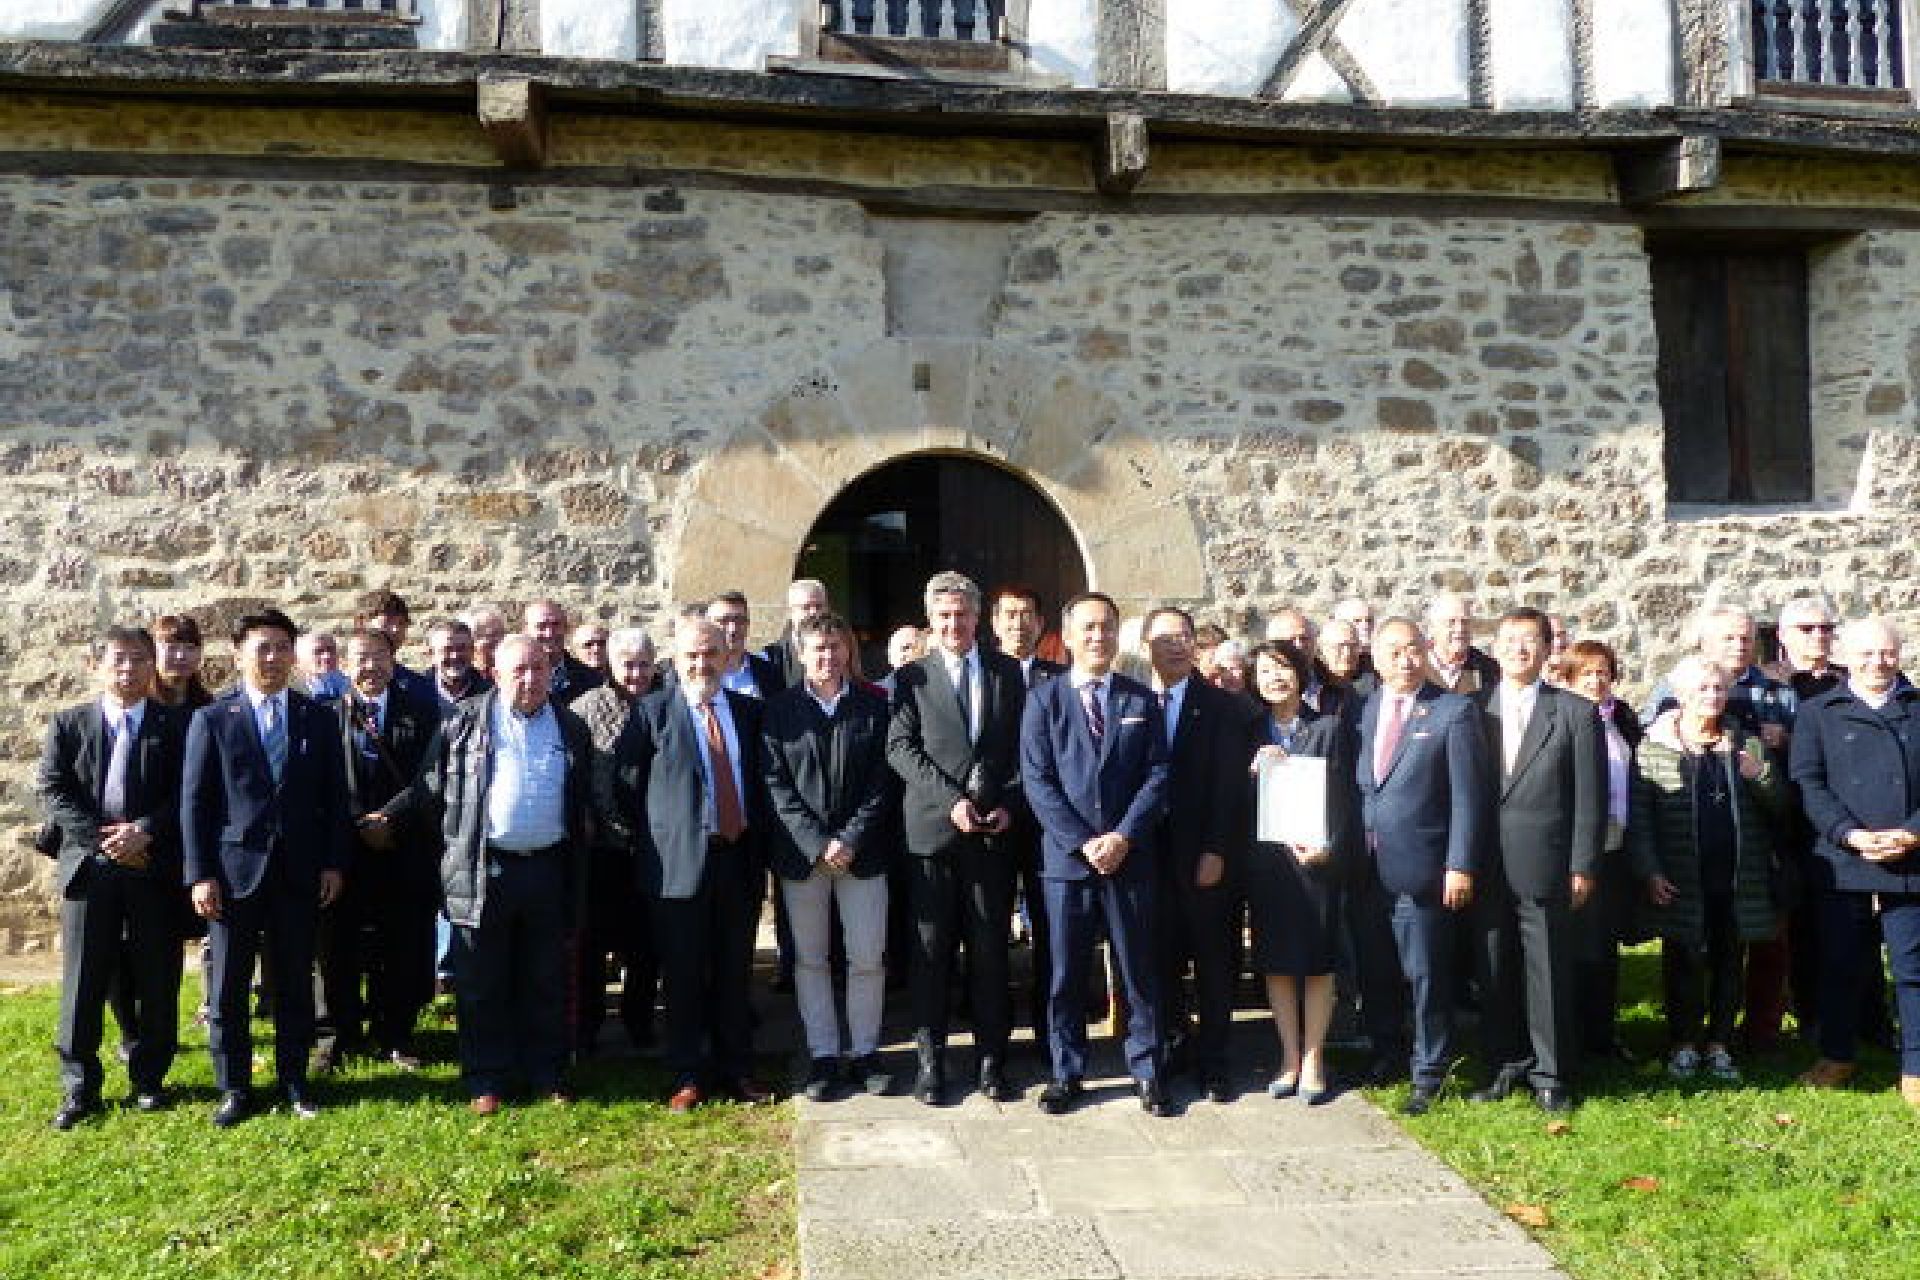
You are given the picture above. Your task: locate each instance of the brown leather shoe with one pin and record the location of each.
(486, 1104)
(1910, 1090)
(1827, 1074)
(685, 1099)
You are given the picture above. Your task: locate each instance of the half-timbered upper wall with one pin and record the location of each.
(1506, 54)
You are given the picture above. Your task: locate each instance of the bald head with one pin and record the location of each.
(1871, 650)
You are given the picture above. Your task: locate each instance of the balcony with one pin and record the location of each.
(964, 35)
(1841, 49)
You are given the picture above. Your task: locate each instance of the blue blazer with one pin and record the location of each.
(1860, 768)
(1078, 791)
(233, 817)
(1431, 811)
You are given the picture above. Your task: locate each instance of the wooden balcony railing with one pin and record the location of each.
(1829, 44)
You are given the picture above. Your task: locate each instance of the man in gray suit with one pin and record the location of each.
(954, 741)
(1550, 805)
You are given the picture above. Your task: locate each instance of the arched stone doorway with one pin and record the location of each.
(876, 544)
(751, 502)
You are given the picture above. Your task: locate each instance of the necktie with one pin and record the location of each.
(1166, 714)
(113, 795)
(963, 690)
(1096, 718)
(274, 737)
(729, 820)
(373, 719)
(1388, 738)
(1510, 735)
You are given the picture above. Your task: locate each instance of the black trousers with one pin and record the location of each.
(1197, 927)
(1368, 910)
(1703, 982)
(1597, 930)
(118, 926)
(376, 951)
(962, 896)
(282, 917)
(1526, 1016)
(510, 977)
(618, 924)
(705, 944)
(1032, 892)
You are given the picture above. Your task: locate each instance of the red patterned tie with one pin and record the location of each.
(1389, 738)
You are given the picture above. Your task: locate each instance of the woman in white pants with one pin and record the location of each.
(827, 776)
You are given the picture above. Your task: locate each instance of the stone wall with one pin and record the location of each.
(254, 380)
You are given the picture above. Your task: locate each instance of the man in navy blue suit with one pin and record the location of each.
(265, 835)
(1426, 796)
(1093, 760)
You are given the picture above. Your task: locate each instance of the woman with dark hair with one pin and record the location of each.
(177, 679)
(1293, 897)
(1591, 669)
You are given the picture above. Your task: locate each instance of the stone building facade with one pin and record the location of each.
(287, 325)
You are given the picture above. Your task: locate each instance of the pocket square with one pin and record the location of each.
(1133, 719)
(1423, 733)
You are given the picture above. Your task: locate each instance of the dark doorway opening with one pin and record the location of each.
(879, 541)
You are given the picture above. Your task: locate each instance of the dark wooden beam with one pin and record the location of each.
(514, 114)
(1121, 160)
(1684, 166)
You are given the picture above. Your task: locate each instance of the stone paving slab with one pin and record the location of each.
(1335, 1175)
(1229, 1244)
(987, 1187)
(866, 1144)
(1157, 1182)
(968, 1249)
(1445, 1236)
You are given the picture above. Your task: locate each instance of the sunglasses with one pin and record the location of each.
(1814, 626)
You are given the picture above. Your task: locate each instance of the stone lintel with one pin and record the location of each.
(1684, 166)
(1121, 161)
(513, 111)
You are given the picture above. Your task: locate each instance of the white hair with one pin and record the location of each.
(629, 640)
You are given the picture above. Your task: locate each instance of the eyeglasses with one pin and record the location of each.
(1814, 626)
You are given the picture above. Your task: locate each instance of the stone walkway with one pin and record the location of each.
(894, 1190)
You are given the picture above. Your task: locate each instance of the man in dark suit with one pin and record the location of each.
(1093, 759)
(508, 775)
(110, 780)
(1018, 626)
(385, 611)
(546, 622)
(1201, 841)
(742, 671)
(954, 741)
(380, 931)
(264, 830)
(1426, 808)
(1549, 793)
(688, 770)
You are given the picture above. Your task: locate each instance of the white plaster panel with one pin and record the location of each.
(740, 34)
(1062, 39)
(1633, 53)
(589, 28)
(1532, 54)
(1225, 46)
(1414, 51)
(443, 24)
(1318, 82)
(47, 19)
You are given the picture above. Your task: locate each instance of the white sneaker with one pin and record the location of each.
(1720, 1066)
(1684, 1064)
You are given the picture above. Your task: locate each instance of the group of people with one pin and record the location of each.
(569, 804)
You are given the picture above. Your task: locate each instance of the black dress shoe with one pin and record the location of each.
(1555, 1102)
(235, 1105)
(1217, 1089)
(870, 1074)
(151, 1100)
(301, 1102)
(72, 1111)
(993, 1081)
(1059, 1096)
(1420, 1100)
(930, 1086)
(1498, 1089)
(822, 1078)
(1153, 1099)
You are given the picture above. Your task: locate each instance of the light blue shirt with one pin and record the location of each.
(724, 713)
(258, 701)
(740, 680)
(526, 798)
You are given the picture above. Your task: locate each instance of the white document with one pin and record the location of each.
(1293, 802)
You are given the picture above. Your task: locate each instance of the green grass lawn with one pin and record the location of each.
(1651, 1178)
(395, 1178)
